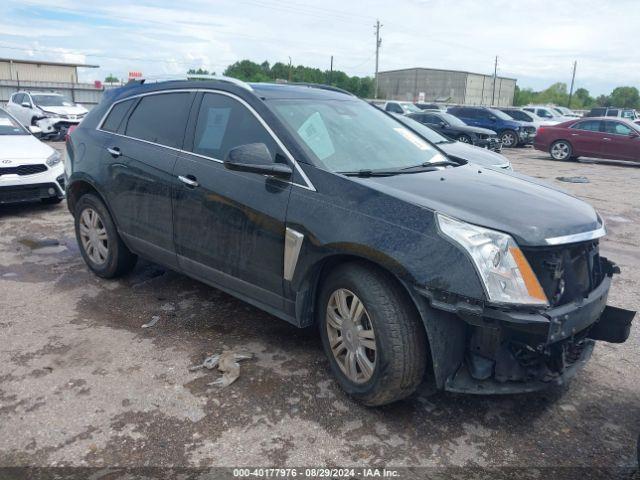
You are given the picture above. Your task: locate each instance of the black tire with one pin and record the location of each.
(119, 259)
(401, 344)
(465, 139)
(51, 200)
(561, 151)
(509, 138)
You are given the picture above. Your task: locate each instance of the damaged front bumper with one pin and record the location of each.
(56, 126)
(509, 350)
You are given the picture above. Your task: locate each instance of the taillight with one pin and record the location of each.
(540, 129)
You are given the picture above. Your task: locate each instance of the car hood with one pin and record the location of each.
(22, 149)
(529, 211)
(477, 155)
(74, 110)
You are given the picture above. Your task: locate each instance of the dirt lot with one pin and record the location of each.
(82, 384)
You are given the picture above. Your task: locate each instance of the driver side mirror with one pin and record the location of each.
(256, 158)
(26, 104)
(634, 134)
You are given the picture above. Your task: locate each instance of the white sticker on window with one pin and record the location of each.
(315, 134)
(5, 122)
(413, 138)
(215, 128)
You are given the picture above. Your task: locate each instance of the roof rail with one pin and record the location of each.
(220, 78)
(322, 86)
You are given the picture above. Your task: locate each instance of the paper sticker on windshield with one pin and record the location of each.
(413, 138)
(5, 122)
(315, 134)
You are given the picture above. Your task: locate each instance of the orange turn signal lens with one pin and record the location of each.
(530, 279)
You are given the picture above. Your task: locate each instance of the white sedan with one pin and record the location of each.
(29, 169)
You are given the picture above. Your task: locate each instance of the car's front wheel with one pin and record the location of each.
(509, 138)
(100, 245)
(561, 150)
(371, 334)
(464, 138)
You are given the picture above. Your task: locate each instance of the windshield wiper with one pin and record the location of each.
(440, 163)
(370, 173)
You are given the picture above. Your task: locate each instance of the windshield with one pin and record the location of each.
(452, 120)
(499, 114)
(351, 135)
(423, 130)
(410, 107)
(9, 126)
(51, 101)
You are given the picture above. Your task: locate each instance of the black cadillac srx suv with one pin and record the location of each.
(325, 211)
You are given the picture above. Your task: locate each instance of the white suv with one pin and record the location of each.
(30, 170)
(51, 112)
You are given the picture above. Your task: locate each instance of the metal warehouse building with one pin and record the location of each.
(447, 86)
(39, 75)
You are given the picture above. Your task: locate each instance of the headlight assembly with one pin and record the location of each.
(503, 268)
(53, 159)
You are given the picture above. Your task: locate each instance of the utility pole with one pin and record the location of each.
(495, 75)
(289, 69)
(573, 79)
(378, 43)
(331, 71)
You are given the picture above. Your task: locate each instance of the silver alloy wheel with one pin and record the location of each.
(351, 336)
(509, 139)
(93, 236)
(560, 150)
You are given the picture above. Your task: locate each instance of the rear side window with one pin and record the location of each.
(431, 119)
(223, 124)
(612, 112)
(160, 119)
(116, 115)
(589, 125)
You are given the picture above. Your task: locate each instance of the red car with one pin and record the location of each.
(606, 137)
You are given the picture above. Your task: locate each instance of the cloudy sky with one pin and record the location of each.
(536, 41)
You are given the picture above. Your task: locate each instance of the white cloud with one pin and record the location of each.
(536, 41)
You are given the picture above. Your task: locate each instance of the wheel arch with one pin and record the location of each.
(444, 331)
(80, 185)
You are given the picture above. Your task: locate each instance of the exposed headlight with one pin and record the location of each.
(503, 268)
(44, 114)
(53, 159)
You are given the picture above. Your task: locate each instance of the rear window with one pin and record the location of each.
(160, 119)
(116, 115)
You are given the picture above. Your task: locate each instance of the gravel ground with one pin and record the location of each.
(82, 384)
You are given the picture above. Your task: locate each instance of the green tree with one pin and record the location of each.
(603, 101)
(625, 97)
(253, 72)
(111, 79)
(582, 99)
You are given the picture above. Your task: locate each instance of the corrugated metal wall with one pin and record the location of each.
(84, 93)
(446, 86)
(37, 72)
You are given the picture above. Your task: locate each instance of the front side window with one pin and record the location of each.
(544, 113)
(351, 135)
(589, 125)
(9, 126)
(394, 108)
(617, 128)
(223, 124)
(160, 118)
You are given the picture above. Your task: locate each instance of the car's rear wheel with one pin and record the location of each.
(561, 150)
(464, 138)
(100, 245)
(371, 334)
(509, 138)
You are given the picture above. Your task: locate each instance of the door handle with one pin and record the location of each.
(189, 181)
(575, 134)
(114, 151)
(606, 139)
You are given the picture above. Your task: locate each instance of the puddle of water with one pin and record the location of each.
(35, 244)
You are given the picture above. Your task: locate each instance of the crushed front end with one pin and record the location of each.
(522, 349)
